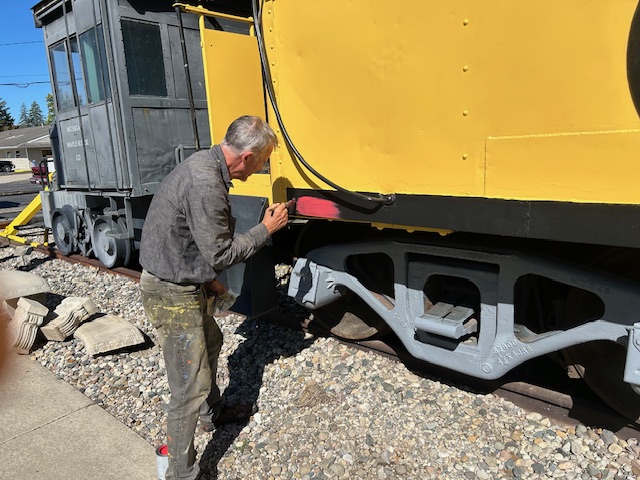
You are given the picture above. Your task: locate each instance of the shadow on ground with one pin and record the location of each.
(246, 368)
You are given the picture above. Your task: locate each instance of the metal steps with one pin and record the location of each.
(447, 320)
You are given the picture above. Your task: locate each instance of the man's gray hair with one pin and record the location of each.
(250, 134)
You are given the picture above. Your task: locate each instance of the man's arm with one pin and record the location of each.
(208, 216)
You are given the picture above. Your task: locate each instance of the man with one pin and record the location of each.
(187, 241)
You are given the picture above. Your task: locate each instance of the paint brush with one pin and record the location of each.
(290, 206)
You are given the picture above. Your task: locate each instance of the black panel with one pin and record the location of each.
(253, 279)
(599, 224)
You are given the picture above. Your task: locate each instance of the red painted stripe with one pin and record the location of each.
(317, 207)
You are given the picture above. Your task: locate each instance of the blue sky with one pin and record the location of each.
(22, 62)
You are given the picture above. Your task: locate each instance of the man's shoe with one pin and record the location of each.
(230, 414)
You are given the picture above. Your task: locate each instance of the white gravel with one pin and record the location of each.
(326, 411)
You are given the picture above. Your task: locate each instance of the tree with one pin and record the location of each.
(6, 120)
(35, 115)
(24, 117)
(51, 113)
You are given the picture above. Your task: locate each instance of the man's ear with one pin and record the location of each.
(246, 157)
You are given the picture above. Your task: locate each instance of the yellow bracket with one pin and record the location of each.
(23, 218)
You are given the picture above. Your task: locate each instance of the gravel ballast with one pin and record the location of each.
(326, 411)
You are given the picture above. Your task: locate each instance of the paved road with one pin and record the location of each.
(17, 182)
(14, 177)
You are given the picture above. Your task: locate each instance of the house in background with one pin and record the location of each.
(26, 147)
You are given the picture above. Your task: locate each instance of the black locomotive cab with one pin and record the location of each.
(125, 114)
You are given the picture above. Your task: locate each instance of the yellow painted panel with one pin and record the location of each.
(234, 88)
(570, 168)
(403, 99)
(233, 79)
(257, 185)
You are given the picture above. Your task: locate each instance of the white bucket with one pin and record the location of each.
(162, 461)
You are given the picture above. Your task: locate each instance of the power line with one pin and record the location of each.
(20, 85)
(20, 43)
(26, 75)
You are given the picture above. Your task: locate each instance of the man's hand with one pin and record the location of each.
(275, 217)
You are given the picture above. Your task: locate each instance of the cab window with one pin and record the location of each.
(63, 73)
(95, 65)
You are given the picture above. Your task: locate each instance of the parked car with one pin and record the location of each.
(39, 175)
(7, 166)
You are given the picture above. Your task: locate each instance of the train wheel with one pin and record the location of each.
(63, 232)
(601, 364)
(110, 250)
(351, 318)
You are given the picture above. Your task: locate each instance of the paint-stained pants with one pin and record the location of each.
(191, 342)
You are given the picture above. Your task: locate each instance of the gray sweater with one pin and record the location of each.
(188, 234)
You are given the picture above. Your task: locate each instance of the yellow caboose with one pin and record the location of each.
(466, 172)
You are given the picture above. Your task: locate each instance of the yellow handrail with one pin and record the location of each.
(203, 11)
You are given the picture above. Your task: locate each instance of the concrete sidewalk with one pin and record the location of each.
(50, 431)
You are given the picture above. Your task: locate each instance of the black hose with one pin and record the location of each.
(386, 199)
